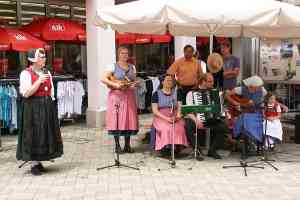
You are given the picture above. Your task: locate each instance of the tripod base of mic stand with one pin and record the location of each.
(118, 165)
(172, 166)
(196, 157)
(244, 164)
(20, 166)
(268, 161)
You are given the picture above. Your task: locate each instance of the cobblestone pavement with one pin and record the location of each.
(74, 176)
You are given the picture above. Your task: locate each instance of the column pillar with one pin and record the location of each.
(100, 52)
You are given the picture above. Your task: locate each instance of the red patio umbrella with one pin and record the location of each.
(13, 39)
(54, 29)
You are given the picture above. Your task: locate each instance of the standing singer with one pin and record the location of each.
(39, 133)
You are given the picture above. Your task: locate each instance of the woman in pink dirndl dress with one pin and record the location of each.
(165, 107)
(121, 114)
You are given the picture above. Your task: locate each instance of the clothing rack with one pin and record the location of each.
(7, 81)
(57, 78)
(65, 78)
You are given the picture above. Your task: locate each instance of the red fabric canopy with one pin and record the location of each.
(202, 40)
(142, 38)
(161, 38)
(53, 29)
(13, 39)
(205, 40)
(134, 38)
(125, 38)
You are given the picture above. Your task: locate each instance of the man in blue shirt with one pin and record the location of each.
(231, 66)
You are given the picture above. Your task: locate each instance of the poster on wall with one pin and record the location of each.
(280, 60)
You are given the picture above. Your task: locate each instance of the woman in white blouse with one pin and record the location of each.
(39, 133)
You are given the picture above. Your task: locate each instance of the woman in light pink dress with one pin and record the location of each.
(165, 107)
(121, 114)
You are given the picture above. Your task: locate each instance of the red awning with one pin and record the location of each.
(55, 29)
(202, 40)
(13, 39)
(205, 40)
(134, 38)
(125, 38)
(142, 39)
(161, 38)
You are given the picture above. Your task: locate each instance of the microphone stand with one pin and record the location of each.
(117, 164)
(265, 146)
(172, 161)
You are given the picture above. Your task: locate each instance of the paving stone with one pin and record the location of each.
(74, 176)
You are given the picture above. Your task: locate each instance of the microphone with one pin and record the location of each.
(45, 70)
(173, 101)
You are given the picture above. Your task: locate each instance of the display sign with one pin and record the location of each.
(280, 60)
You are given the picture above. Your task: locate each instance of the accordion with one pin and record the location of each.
(204, 101)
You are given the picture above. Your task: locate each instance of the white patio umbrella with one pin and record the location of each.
(230, 18)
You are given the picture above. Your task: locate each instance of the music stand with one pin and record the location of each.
(243, 163)
(117, 164)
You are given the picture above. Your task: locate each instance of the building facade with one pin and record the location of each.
(100, 44)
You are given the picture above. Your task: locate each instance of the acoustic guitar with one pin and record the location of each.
(125, 83)
(234, 111)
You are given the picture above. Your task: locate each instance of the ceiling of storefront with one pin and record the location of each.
(70, 9)
(20, 12)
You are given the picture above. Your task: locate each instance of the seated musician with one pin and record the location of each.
(217, 126)
(248, 99)
(272, 122)
(166, 108)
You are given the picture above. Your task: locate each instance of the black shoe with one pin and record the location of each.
(35, 171)
(214, 155)
(128, 149)
(41, 167)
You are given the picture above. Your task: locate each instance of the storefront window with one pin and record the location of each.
(153, 59)
(11, 63)
(67, 59)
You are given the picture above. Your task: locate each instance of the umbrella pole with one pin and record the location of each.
(211, 43)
